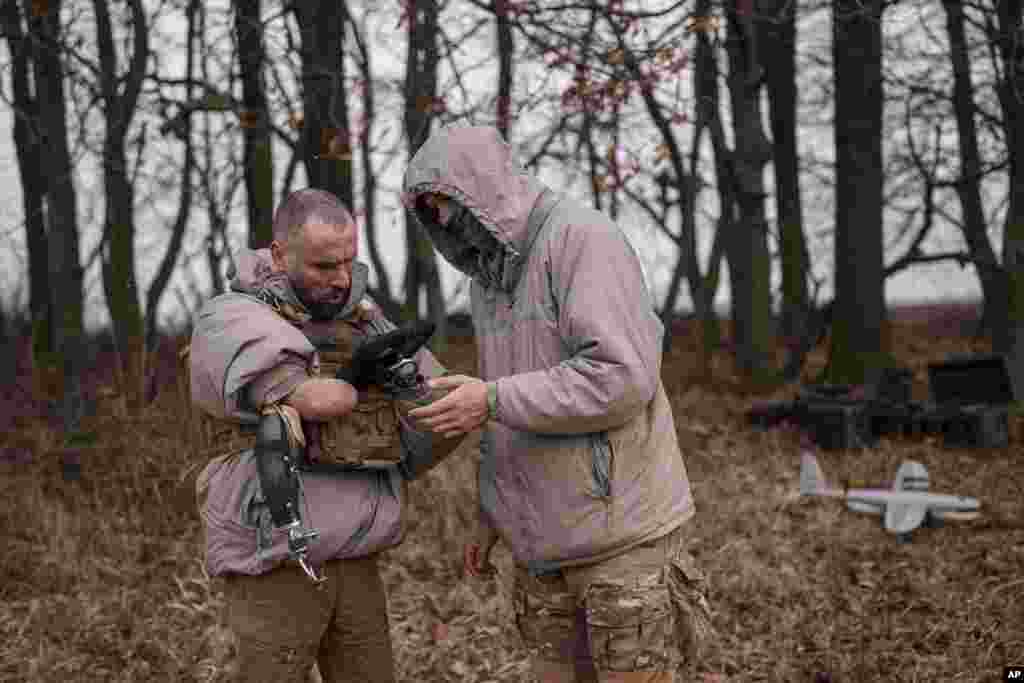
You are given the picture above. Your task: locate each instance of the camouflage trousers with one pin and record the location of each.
(634, 618)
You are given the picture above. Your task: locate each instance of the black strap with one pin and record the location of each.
(274, 464)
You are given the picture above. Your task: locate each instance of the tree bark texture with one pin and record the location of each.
(255, 122)
(326, 138)
(66, 272)
(777, 35)
(749, 261)
(859, 316)
(1011, 99)
(506, 49)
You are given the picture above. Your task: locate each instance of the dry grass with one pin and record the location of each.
(100, 579)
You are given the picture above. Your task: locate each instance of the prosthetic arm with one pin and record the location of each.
(278, 451)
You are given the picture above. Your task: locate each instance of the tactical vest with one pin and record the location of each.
(369, 435)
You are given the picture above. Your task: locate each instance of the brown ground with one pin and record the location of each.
(100, 580)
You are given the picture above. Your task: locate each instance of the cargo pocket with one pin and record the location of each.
(631, 629)
(545, 610)
(689, 590)
(602, 462)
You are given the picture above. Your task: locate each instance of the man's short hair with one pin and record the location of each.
(309, 205)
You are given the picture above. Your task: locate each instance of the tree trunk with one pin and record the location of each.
(859, 316)
(66, 272)
(990, 274)
(215, 242)
(778, 45)
(1011, 100)
(506, 50)
(27, 139)
(421, 269)
(119, 277)
(326, 139)
(170, 257)
(704, 288)
(382, 292)
(255, 122)
(749, 262)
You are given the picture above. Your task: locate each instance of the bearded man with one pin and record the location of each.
(309, 485)
(580, 473)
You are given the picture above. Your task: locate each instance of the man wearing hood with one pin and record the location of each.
(294, 597)
(580, 471)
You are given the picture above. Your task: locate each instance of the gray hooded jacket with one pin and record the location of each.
(582, 461)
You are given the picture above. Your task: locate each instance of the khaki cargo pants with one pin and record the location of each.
(284, 623)
(631, 619)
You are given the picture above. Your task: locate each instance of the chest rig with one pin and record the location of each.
(368, 436)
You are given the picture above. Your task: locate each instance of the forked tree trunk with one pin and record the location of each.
(119, 279)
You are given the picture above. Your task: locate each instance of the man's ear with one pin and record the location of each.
(279, 255)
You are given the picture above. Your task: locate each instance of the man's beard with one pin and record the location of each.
(319, 310)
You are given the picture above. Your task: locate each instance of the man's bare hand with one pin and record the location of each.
(458, 413)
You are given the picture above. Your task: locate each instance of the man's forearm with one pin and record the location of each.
(320, 399)
(573, 397)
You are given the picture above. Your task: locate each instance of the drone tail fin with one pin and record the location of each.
(812, 479)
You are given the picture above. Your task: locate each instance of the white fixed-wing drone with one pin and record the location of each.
(904, 507)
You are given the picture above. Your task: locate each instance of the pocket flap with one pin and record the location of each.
(610, 606)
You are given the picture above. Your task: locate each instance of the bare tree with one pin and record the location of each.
(506, 47)
(381, 293)
(421, 101)
(777, 40)
(1008, 39)
(185, 198)
(30, 156)
(326, 138)
(120, 94)
(749, 262)
(614, 54)
(66, 272)
(859, 315)
(255, 120)
(968, 186)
